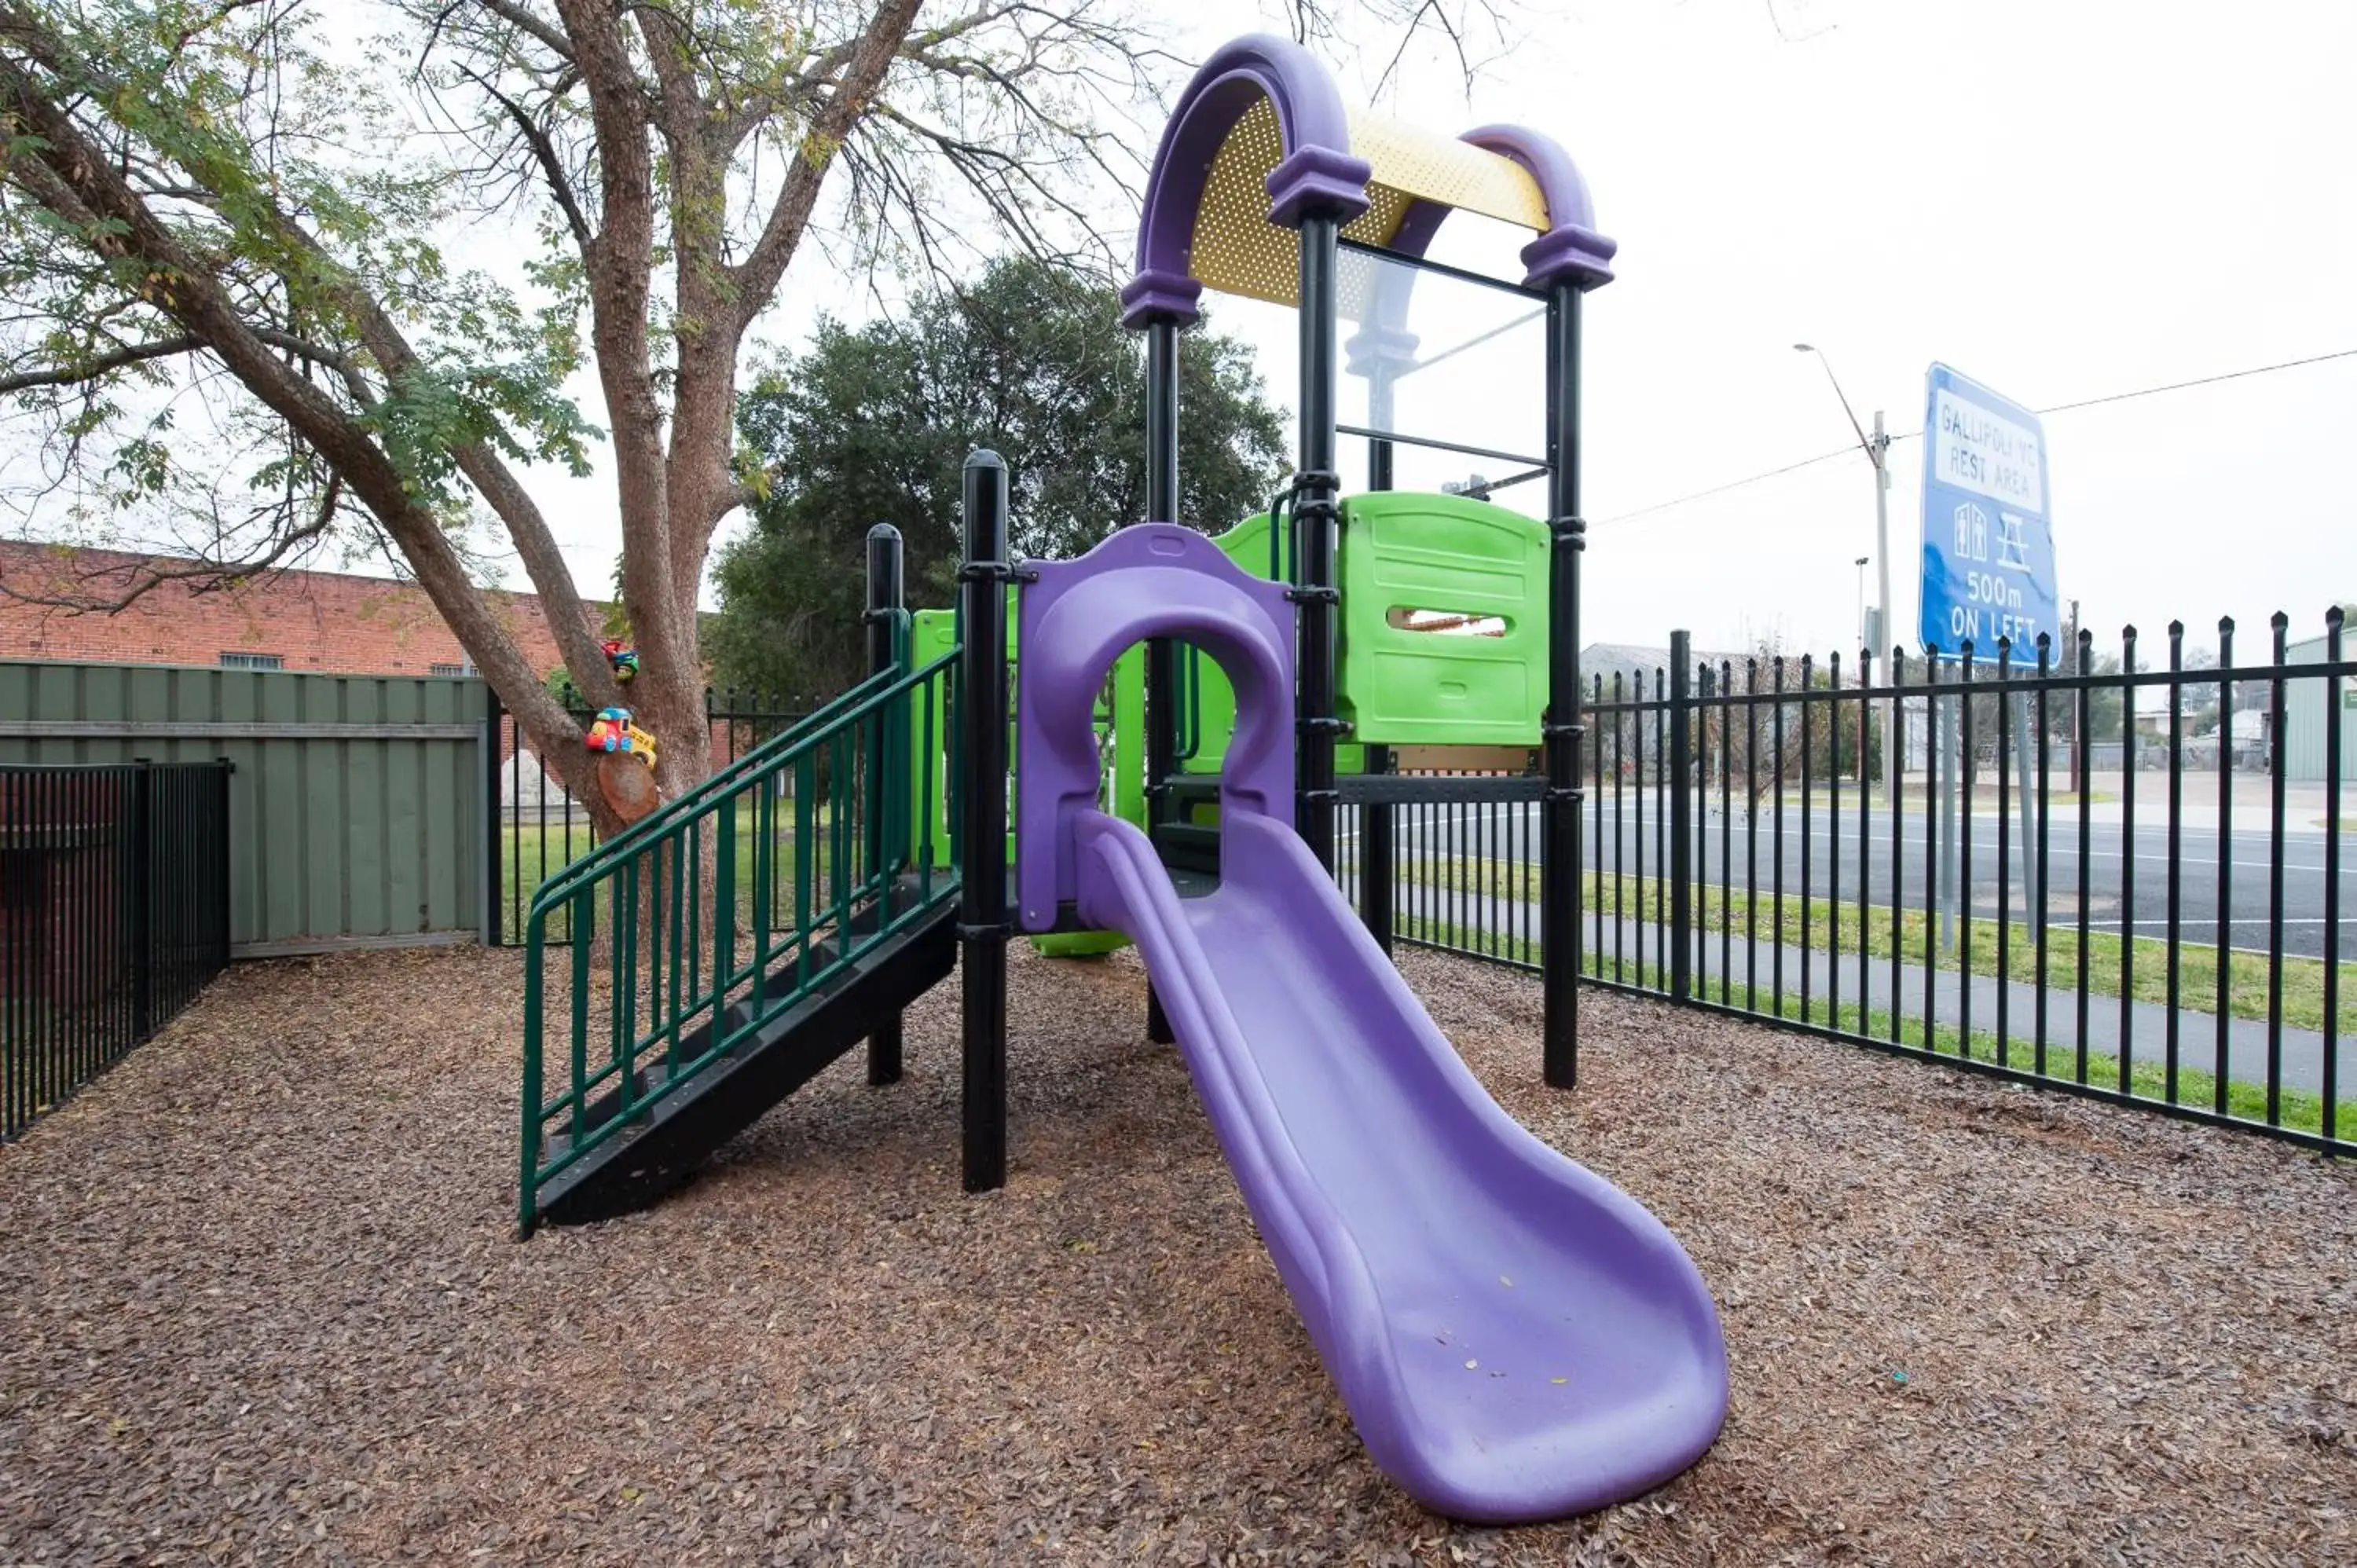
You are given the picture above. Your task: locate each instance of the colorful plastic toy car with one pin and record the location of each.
(613, 731)
(624, 661)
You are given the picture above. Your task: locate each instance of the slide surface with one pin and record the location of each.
(1516, 1338)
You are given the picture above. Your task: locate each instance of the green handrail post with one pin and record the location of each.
(536, 937)
(583, 924)
(724, 911)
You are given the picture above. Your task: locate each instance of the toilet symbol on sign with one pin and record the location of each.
(1972, 533)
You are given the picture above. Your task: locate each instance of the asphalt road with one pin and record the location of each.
(2125, 877)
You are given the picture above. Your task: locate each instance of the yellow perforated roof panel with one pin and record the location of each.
(1410, 162)
(1238, 250)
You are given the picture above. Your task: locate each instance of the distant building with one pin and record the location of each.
(2308, 702)
(1628, 662)
(331, 622)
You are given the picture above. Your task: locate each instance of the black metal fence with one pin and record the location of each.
(2076, 871)
(114, 914)
(539, 828)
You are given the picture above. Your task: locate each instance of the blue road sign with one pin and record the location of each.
(1988, 538)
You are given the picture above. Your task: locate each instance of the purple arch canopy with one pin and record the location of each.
(1571, 248)
(1318, 173)
(1150, 579)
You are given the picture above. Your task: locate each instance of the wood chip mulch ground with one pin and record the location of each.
(260, 1301)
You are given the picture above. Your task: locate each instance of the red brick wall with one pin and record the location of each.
(325, 621)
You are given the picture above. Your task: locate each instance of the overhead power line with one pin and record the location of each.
(1911, 434)
(1733, 484)
(2203, 380)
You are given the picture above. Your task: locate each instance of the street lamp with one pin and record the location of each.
(1876, 448)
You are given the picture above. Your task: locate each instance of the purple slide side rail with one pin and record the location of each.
(1515, 1337)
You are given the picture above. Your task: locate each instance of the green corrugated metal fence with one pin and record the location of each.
(358, 807)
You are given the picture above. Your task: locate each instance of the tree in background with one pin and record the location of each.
(871, 426)
(228, 326)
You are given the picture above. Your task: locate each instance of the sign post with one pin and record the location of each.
(1988, 552)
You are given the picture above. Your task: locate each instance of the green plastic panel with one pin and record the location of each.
(1204, 692)
(1405, 550)
(932, 633)
(1203, 742)
(1400, 552)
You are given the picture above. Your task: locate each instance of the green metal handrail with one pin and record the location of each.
(730, 905)
(631, 839)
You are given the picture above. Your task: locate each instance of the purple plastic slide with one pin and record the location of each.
(1516, 1338)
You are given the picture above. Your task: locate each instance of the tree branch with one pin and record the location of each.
(864, 72)
(135, 579)
(532, 22)
(543, 152)
(544, 562)
(104, 364)
(62, 166)
(622, 267)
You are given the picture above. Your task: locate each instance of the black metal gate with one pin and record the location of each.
(114, 914)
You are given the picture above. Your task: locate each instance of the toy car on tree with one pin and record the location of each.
(612, 730)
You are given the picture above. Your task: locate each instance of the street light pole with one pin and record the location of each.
(1876, 448)
(1861, 601)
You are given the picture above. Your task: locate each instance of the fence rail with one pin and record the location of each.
(2169, 931)
(114, 912)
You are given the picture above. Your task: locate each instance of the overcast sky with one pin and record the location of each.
(2060, 200)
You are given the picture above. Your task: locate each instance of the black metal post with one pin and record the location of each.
(2280, 656)
(143, 914)
(2223, 936)
(2334, 619)
(1161, 506)
(1559, 855)
(1161, 654)
(1376, 869)
(495, 828)
(2127, 854)
(2040, 878)
(983, 925)
(1680, 866)
(885, 570)
(2176, 876)
(1314, 525)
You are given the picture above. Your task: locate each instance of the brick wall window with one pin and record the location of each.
(465, 671)
(253, 661)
